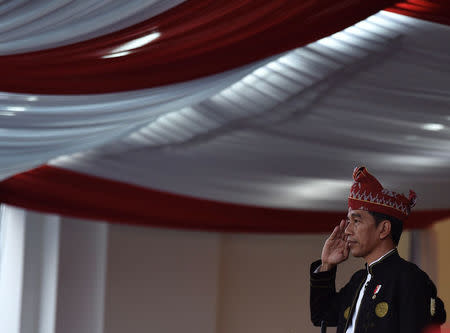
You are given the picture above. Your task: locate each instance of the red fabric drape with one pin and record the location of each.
(54, 190)
(431, 10)
(198, 38)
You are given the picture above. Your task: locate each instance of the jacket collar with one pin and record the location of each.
(383, 262)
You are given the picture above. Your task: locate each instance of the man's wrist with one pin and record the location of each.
(324, 267)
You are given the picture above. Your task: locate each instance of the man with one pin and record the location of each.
(390, 294)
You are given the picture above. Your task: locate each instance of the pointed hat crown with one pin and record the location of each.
(368, 194)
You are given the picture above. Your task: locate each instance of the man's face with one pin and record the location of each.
(362, 234)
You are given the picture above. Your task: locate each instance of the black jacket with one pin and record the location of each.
(405, 303)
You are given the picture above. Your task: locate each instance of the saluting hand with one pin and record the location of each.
(335, 250)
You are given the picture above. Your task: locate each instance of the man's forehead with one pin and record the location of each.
(356, 212)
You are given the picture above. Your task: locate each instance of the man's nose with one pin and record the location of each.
(348, 229)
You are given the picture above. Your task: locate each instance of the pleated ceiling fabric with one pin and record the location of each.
(273, 152)
(264, 147)
(39, 25)
(38, 128)
(195, 39)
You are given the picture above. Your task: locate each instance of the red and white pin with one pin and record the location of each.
(376, 291)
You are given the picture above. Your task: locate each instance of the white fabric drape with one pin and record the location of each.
(37, 128)
(37, 25)
(289, 134)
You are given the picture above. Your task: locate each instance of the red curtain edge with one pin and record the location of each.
(437, 11)
(59, 191)
(436, 17)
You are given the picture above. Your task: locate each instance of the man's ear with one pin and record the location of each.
(385, 230)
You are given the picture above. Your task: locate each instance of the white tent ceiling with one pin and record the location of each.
(288, 134)
(29, 25)
(283, 133)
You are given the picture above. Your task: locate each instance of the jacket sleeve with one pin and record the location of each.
(324, 300)
(419, 306)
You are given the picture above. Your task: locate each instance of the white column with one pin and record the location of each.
(11, 267)
(52, 273)
(49, 282)
(40, 273)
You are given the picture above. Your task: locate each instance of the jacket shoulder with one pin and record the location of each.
(410, 273)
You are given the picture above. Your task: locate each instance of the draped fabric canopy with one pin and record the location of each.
(269, 144)
(41, 25)
(194, 39)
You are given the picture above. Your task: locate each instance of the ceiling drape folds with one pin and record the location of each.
(40, 189)
(194, 39)
(37, 128)
(185, 114)
(39, 25)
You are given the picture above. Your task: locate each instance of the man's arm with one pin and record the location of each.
(419, 305)
(324, 301)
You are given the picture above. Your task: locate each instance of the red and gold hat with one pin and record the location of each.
(368, 194)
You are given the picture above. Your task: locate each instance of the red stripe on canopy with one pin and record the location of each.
(54, 190)
(431, 10)
(197, 38)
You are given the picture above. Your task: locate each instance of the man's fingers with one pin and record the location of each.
(338, 231)
(335, 233)
(342, 226)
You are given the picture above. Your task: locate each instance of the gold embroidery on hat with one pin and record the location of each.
(433, 307)
(381, 309)
(347, 313)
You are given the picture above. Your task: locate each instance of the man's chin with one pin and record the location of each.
(355, 253)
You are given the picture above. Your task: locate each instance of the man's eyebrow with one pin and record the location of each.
(355, 215)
